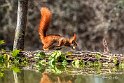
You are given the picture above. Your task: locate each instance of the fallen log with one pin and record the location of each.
(78, 55)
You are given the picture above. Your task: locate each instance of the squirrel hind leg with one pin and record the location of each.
(46, 48)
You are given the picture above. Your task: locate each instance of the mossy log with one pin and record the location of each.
(79, 55)
(93, 62)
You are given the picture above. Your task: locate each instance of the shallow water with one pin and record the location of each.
(57, 69)
(28, 76)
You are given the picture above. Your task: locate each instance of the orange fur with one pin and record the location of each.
(48, 41)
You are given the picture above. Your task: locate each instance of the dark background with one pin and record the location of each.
(91, 20)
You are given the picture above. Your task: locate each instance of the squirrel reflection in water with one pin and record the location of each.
(46, 79)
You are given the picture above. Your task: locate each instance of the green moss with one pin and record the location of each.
(2, 42)
(15, 53)
(77, 63)
(98, 56)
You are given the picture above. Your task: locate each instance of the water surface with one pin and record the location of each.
(29, 76)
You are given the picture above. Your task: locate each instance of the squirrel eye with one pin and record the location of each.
(73, 42)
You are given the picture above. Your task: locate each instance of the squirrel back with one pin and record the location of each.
(44, 22)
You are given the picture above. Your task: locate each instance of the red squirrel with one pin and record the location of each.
(48, 41)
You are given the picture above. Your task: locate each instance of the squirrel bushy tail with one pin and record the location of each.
(46, 17)
(48, 41)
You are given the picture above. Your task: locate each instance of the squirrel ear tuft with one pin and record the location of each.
(73, 38)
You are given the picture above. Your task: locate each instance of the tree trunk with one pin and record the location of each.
(21, 24)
